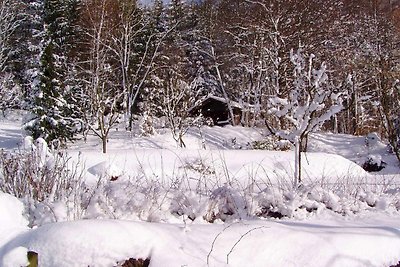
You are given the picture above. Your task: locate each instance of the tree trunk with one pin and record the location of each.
(104, 142)
(297, 162)
(355, 111)
(304, 143)
(130, 116)
(222, 87)
(335, 124)
(181, 142)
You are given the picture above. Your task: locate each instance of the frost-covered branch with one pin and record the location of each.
(104, 96)
(173, 97)
(311, 102)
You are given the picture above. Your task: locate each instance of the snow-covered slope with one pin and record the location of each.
(355, 149)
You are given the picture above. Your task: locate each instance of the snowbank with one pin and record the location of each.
(223, 166)
(12, 220)
(258, 243)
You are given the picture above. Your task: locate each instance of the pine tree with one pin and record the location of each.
(10, 92)
(53, 107)
(27, 48)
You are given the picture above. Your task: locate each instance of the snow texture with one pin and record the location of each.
(226, 205)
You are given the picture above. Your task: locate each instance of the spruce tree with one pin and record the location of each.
(54, 116)
(27, 48)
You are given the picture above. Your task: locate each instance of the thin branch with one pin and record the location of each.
(240, 239)
(213, 243)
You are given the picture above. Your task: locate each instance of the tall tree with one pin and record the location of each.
(27, 49)
(99, 21)
(9, 21)
(53, 109)
(10, 93)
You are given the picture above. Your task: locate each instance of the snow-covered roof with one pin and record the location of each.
(217, 98)
(224, 100)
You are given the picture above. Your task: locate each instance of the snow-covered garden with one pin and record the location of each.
(199, 133)
(217, 202)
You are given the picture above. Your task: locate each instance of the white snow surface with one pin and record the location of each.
(16, 257)
(370, 242)
(11, 219)
(239, 166)
(366, 236)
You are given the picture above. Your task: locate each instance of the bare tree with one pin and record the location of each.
(386, 74)
(132, 27)
(136, 46)
(98, 68)
(173, 97)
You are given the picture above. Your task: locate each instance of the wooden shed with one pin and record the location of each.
(216, 108)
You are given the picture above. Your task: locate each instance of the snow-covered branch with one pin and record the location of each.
(8, 24)
(311, 101)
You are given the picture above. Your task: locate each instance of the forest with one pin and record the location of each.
(294, 67)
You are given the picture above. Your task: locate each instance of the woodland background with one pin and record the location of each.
(293, 66)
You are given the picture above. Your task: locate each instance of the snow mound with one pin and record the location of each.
(11, 210)
(12, 221)
(166, 166)
(106, 169)
(258, 243)
(85, 243)
(16, 257)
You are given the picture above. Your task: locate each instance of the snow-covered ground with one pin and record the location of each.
(218, 202)
(323, 242)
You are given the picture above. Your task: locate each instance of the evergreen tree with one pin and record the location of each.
(54, 106)
(27, 48)
(10, 93)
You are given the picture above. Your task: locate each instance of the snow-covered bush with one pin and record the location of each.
(225, 203)
(372, 139)
(272, 142)
(52, 190)
(189, 204)
(138, 200)
(199, 166)
(272, 203)
(46, 182)
(146, 127)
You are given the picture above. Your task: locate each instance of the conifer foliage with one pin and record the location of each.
(53, 106)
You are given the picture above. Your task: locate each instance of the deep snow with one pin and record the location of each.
(346, 217)
(334, 242)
